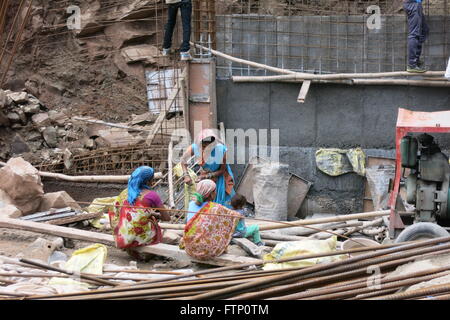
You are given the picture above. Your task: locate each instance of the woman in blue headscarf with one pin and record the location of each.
(134, 218)
(211, 155)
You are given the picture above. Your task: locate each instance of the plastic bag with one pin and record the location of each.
(296, 248)
(88, 260)
(336, 162)
(101, 205)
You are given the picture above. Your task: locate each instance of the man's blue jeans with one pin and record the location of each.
(418, 30)
(186, 13)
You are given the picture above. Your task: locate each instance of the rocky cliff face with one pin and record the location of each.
(97, 70)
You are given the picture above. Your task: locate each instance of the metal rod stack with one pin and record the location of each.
(350, 278)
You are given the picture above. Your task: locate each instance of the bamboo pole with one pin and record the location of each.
(272, 225)
(338, 76)
(170, 177)
(281, 225)
(247, 62)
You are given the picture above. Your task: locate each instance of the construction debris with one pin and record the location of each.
(56, 200)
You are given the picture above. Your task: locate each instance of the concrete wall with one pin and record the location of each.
(333, 116)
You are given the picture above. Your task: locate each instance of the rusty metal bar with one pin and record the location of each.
(17, 42)
(11, 31)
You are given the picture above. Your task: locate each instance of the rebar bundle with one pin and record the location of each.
(344, 279)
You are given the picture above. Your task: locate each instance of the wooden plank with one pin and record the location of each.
(248, 246)
(304, 91)
(161, 249)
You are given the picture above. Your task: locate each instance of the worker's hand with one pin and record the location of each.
(203, 176)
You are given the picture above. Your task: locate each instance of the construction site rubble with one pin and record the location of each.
(223, 150)
(42, 136)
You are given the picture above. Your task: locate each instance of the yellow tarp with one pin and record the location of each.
(336, 162)
(296, 248)
(88, 260)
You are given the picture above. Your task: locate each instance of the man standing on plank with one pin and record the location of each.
(186, 15)
(418, 33)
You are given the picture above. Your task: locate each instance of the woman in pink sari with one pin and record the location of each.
(134, 218)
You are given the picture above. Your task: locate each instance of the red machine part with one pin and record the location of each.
(412, 122)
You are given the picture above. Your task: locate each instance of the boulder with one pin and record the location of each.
(13, 117)
(21, 181)
(114, 138)
(58, 118)
(141, 53)
(33, 136)
(40, 249)
(32, 87)
(32, 108)
(50, 135)
(18, 145)
(41, 119)
(58, 200)
(18, 97)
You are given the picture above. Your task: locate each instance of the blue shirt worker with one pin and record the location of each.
(242, 231)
